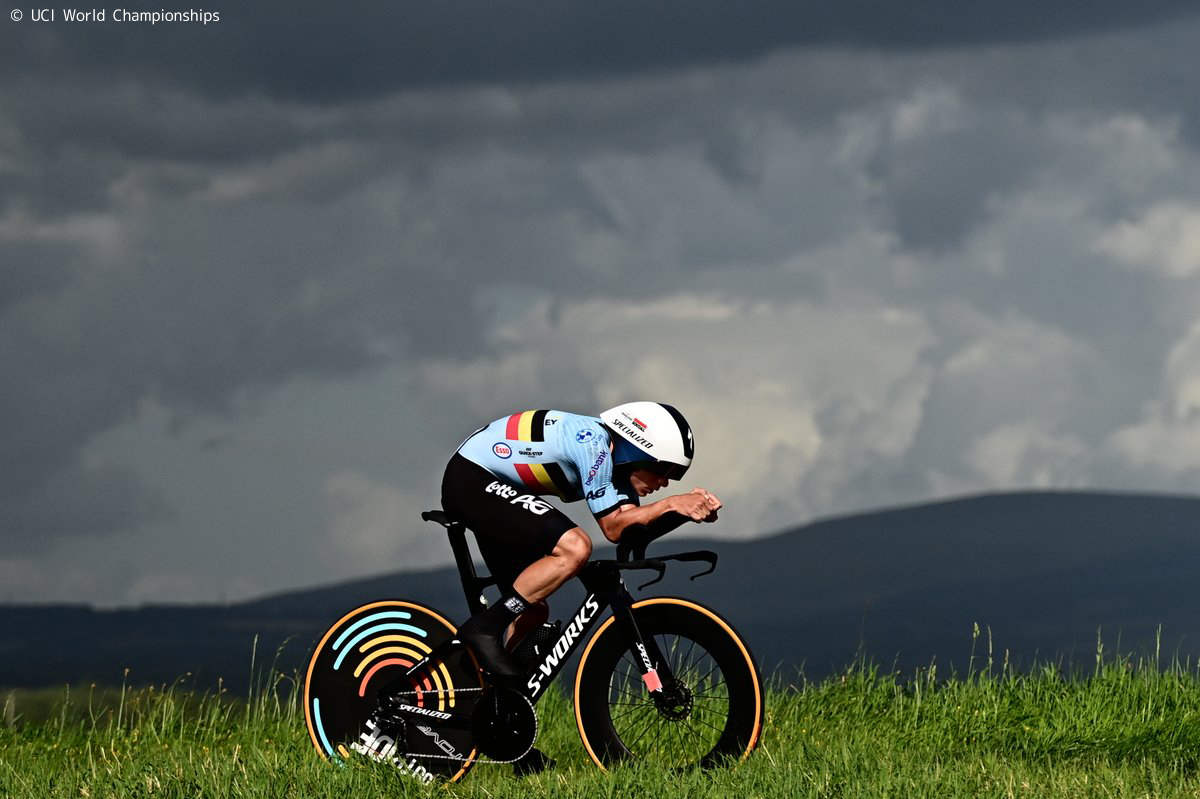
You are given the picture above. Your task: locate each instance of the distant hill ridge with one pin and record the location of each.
(1043, 570)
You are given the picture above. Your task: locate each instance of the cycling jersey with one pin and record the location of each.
(552, 453)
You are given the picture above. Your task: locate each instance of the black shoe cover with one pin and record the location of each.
(491, 653)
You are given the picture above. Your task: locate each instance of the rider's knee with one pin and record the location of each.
(575, 546)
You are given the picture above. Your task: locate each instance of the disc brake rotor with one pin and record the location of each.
(675, 703)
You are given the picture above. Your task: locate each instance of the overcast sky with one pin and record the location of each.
(259, 278)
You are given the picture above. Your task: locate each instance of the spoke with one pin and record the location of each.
(628, 690)
(647, 711)
(663, 649)
(632, 694)
(637, 722)
(625, 713)
(704, 740)
(644, 728)
(641, 735)
(691, 674)
(687, 658)
(723, 700)
(714, 698)
(711, 705)
(636, 718)
(710, 688)
(710, 671)
(705, 723)
(694, 732)
(705, 709)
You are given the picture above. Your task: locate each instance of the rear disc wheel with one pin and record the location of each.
(374, 646)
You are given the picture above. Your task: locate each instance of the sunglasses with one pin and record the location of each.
(671, 471)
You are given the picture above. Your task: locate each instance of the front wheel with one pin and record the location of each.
(710, 710)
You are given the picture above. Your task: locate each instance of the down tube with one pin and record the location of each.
(572, 636)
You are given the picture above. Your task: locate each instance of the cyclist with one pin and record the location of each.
(494, 482)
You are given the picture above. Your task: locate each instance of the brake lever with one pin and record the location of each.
(705, 555)
(659, 567)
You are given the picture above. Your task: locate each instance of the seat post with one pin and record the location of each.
(472, 583)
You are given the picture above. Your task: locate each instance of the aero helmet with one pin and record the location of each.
(652, 435)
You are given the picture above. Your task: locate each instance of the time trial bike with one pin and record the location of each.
(662, 679)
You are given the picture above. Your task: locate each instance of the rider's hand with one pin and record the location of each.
(714, 504)
(699, 505)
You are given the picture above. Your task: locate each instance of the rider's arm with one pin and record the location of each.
(665, 524)
(667, 513)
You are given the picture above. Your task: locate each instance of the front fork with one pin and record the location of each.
(644, 650)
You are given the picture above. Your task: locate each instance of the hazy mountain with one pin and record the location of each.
(1044, 570)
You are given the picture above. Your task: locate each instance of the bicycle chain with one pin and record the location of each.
(478, 760)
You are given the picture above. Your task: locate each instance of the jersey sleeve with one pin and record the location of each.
(589, 454)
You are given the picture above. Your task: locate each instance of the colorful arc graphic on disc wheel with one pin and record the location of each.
(374, 646)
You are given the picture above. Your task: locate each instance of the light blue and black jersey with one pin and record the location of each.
(552, 453)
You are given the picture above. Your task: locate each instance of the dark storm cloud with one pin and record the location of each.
(191, 217)
(197, 308)
(32, 270)
(936, 187)
(77, 500)
(315, 50)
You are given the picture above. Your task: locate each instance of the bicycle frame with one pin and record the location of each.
(602, 581)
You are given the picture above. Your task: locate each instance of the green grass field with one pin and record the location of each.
(1120, 730)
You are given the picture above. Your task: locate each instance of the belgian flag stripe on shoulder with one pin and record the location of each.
(526, 426)
(537, 426)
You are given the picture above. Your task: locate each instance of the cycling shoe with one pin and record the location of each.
(490, 651)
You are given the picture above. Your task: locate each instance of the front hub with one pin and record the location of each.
(674, 701)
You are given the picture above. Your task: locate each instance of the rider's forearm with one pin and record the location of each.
(665, 524)
(650, 516)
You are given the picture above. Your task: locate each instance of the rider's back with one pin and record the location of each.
(547, 452)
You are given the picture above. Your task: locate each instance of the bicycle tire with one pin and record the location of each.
(365, 650)
(724, 719)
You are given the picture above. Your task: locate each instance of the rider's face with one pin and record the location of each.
(646, 482)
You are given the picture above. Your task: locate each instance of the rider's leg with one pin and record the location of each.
(511, 536)
(546, 575)
(536, 582)
(526, 623)
(483, 631)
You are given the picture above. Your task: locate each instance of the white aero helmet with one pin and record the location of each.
(652, 435)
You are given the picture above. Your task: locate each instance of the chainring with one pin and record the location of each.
(504, 724)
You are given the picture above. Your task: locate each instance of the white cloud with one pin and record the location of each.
(1005, 406)
(1024, 455)
(1167, 438)
(789, 401)
(1166, 239)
